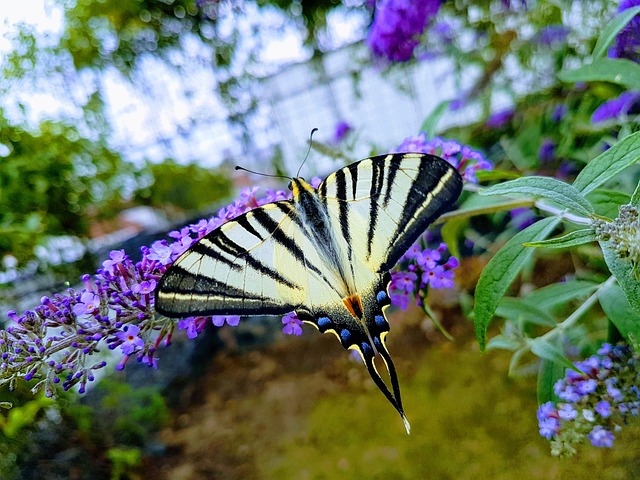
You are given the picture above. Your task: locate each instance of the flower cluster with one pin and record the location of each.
(595, 403)
(623, 232)
(418, 269)
(466, 160)
(397, 27)
(627, 44)
(619, 107)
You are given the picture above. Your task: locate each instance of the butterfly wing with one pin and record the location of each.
(378, 207)
(388, 201)
(232, 270)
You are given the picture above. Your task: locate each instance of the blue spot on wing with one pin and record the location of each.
(381, 296)
(380, 321)
(324, 322)
(345, 336)
(366, 349)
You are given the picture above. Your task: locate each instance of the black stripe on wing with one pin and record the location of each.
(433, 191)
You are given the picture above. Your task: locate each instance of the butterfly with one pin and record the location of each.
(325, 254)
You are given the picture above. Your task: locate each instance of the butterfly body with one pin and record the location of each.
(324, 254)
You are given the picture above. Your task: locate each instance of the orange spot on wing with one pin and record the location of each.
(354, 305)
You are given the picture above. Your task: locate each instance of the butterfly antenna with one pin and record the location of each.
(308, 151)
(238, 167)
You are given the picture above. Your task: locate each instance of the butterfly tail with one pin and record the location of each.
(394, 398)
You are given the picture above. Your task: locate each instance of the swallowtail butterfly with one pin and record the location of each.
(325, 254)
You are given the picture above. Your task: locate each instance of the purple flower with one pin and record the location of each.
(397, 26)
(190, 325)
(627, 43)
(547, 151)
(601, 437)
(558, 113)
(515, 4)
(89, 303)
(403, 281)
(428, 259)
(131, 343)
(552, 35)
(603, 408)
(160, 252)
(500, 119)
(220, 320)
(144, 288)
(292, 325)
(567, 412)
(624, 104)
(438, 277)
(522, 217)
(548, 420)
(466, 160)
(341, 131)
(116, 257)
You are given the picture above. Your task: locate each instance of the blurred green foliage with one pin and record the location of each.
(53, 181)
(104, 436)
(187, 188)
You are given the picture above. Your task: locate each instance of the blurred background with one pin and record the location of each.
(120, 121)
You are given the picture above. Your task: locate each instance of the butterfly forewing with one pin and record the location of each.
(234, 269)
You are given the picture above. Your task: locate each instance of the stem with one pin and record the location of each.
(513, 203)
(581, 310)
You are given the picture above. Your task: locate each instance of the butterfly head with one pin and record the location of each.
(299, 185)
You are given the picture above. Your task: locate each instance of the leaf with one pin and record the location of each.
(620, 71)
(548, 374)
(608, 164)
(431, 122)
(451, 232)
(607, 202)
(559, 293)
(545, 187)
(520, 309)
(501, 270)
(622, 269)
(571, 239)
(611, 30)
(617, 308)
(549, 351)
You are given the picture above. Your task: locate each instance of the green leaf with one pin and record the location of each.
(571, 239)
(620, 71)
(520, 309)
(549, 351)
(559, 293)
(501, 270)
(617, 308)
(611, 30)
(608, 164)
(607, 202)
(431, 122)
(545, 187)
(622, 269)
(548, 374)
(451, 231)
